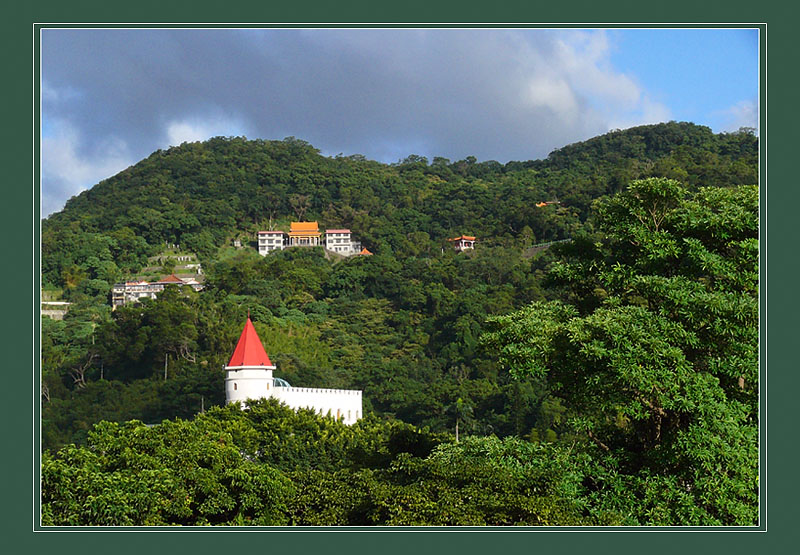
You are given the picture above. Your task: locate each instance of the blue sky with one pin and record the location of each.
(112, 97)
(699, 74)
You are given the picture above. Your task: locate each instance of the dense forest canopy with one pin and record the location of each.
(608, 379)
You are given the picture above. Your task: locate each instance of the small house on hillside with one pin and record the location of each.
(133, 291)
(463, 243)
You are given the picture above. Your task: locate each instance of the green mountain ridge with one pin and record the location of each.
(200, 194)
(611, 379)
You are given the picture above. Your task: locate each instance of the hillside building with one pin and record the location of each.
(55, 309)
(249, 376)
(269, 241)
(463, 243)
(134, 291)
(308, 234)
(341, 241)
(304, 234)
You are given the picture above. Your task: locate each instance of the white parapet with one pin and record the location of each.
(338, 403)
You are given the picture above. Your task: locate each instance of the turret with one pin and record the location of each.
(249, 372)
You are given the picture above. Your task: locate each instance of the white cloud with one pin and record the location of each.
(741, 114)
(646, 111)
(612, 97)
(494, 94)
(66, 171)
(555, 94)
(189, 131)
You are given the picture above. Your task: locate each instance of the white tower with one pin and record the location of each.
(249, 376)
(249, 372)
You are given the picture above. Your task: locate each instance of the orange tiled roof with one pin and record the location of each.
(304, 226)
(365, 252)
(464, 237)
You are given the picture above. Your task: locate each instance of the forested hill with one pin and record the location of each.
(611, 379)
(200, 195)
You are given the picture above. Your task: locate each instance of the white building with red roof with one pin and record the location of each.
(249, 376)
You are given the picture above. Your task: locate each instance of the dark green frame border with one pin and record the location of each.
(18, 509)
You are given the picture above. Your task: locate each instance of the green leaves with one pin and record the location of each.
(174, 473)
(659, 362)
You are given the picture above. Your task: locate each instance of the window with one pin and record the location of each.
(234, 386)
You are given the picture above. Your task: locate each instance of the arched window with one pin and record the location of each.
(234, 387)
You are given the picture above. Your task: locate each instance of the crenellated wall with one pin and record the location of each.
(243, 383)
(338, 403)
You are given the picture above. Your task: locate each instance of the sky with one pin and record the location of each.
(111, 97)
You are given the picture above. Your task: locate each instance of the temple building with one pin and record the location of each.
(249, 376)
(304, 234)
(463, 243)
(308, 234)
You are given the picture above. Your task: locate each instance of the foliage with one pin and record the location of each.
(608, 379)
(271, 465)
(175, 473)
(660, 370)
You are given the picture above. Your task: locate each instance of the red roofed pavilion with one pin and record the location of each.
(463, 242)
(172, 278)
(249, 350)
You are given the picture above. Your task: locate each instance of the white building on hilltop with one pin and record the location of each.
(249, 376)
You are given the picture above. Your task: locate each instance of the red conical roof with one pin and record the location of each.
(249, 350)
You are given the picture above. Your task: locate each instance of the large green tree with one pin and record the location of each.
(657, 358)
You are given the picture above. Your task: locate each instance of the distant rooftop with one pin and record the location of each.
(304, 226)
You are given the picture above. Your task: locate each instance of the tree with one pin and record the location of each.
(462, 411)
(300, 204)
(660, 370)
(178, 472)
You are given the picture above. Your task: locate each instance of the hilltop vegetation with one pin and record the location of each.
(199, 195)
(619, 370)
